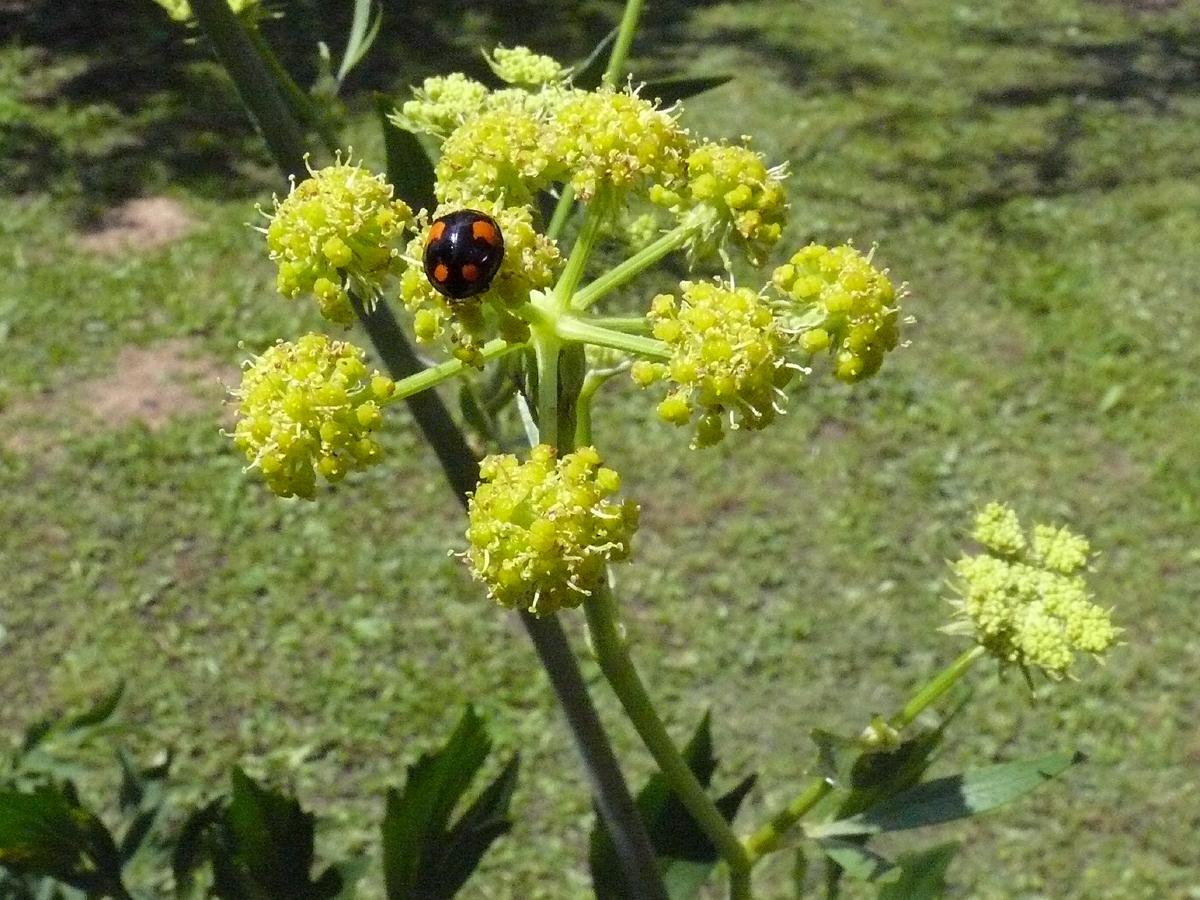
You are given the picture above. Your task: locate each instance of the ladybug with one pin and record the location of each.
(463, 253)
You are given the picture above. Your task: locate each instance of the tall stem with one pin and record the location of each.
(627, 685)
(632, 267)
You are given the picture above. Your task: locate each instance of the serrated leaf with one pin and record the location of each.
(46, 832)
(423, 858)
(265, 848)
(922, 874)
(409, 168)
(955, 797)
(669, 91)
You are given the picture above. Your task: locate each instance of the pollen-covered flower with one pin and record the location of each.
(1027, 604)
(309, 407)
(612, 137)
(729, 194)
(843, 304)
(531, 261)
(335, 232)
(520, 65)
(542, 532)
(727, 359)
(441, 104)
(501, 153)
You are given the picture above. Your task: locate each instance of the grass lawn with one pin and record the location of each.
(1031, 169)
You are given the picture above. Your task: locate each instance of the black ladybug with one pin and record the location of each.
(463, 253)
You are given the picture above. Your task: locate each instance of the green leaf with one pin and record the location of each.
(955, 797)
(262, 848)
(424, 858)
(363, 31)
(99, 713)
(47, 832)
(855, 859)
(189, 845)
(686, 856)
(409, 168)
(671, 90)
(922, 875)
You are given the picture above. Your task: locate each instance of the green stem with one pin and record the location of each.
(562, 212)
(592, 382)
(632, 267)
(626, 324)
(435, 375)
(769, 836)
(627, 685)
(620, 50)
(302, 106)
(934, 690)
(546, 349)
(570, 328)
(581, 251)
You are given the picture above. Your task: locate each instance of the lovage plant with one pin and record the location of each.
(495, 274)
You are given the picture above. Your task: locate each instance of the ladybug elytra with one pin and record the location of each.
(463, 253)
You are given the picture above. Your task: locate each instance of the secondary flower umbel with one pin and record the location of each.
(542, 532)
(309, 407)
(1026, 602)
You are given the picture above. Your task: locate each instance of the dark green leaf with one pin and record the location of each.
(671, 90)
(409, 168)
(922, 875)
(423, 858)
(46, 832)
(956, 797)
(799, 871)
(271, 839)
(99, 713)
(189, 846)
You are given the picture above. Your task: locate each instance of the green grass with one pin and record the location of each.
(1029, 168)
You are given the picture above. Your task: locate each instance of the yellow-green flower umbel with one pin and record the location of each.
(842, 304)
(727, 359)
(337, 231)
(309, 407)
(729, 195)
(1026, 602)
(542, 532)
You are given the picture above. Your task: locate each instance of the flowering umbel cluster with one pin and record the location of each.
(542, 532)
(336, 232)
(1025, 600)
(309, 407)
(728, 357)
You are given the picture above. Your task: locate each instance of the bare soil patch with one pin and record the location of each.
(140, 224)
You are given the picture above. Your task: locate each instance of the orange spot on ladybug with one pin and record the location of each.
(440, 272)
(483, 230)
(469, 272)
(436, 231)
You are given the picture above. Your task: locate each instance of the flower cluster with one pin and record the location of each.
(729, 194)
(1026, 602)
(520, 65)
(542, 532)
(727, 358)
(309, 407)
(842, 304)
(335, 232)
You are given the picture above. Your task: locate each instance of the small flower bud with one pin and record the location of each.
(1027, 605)
(309, 407)
(441, 104)
(836, 300)
(333, 232)
(542, 533)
